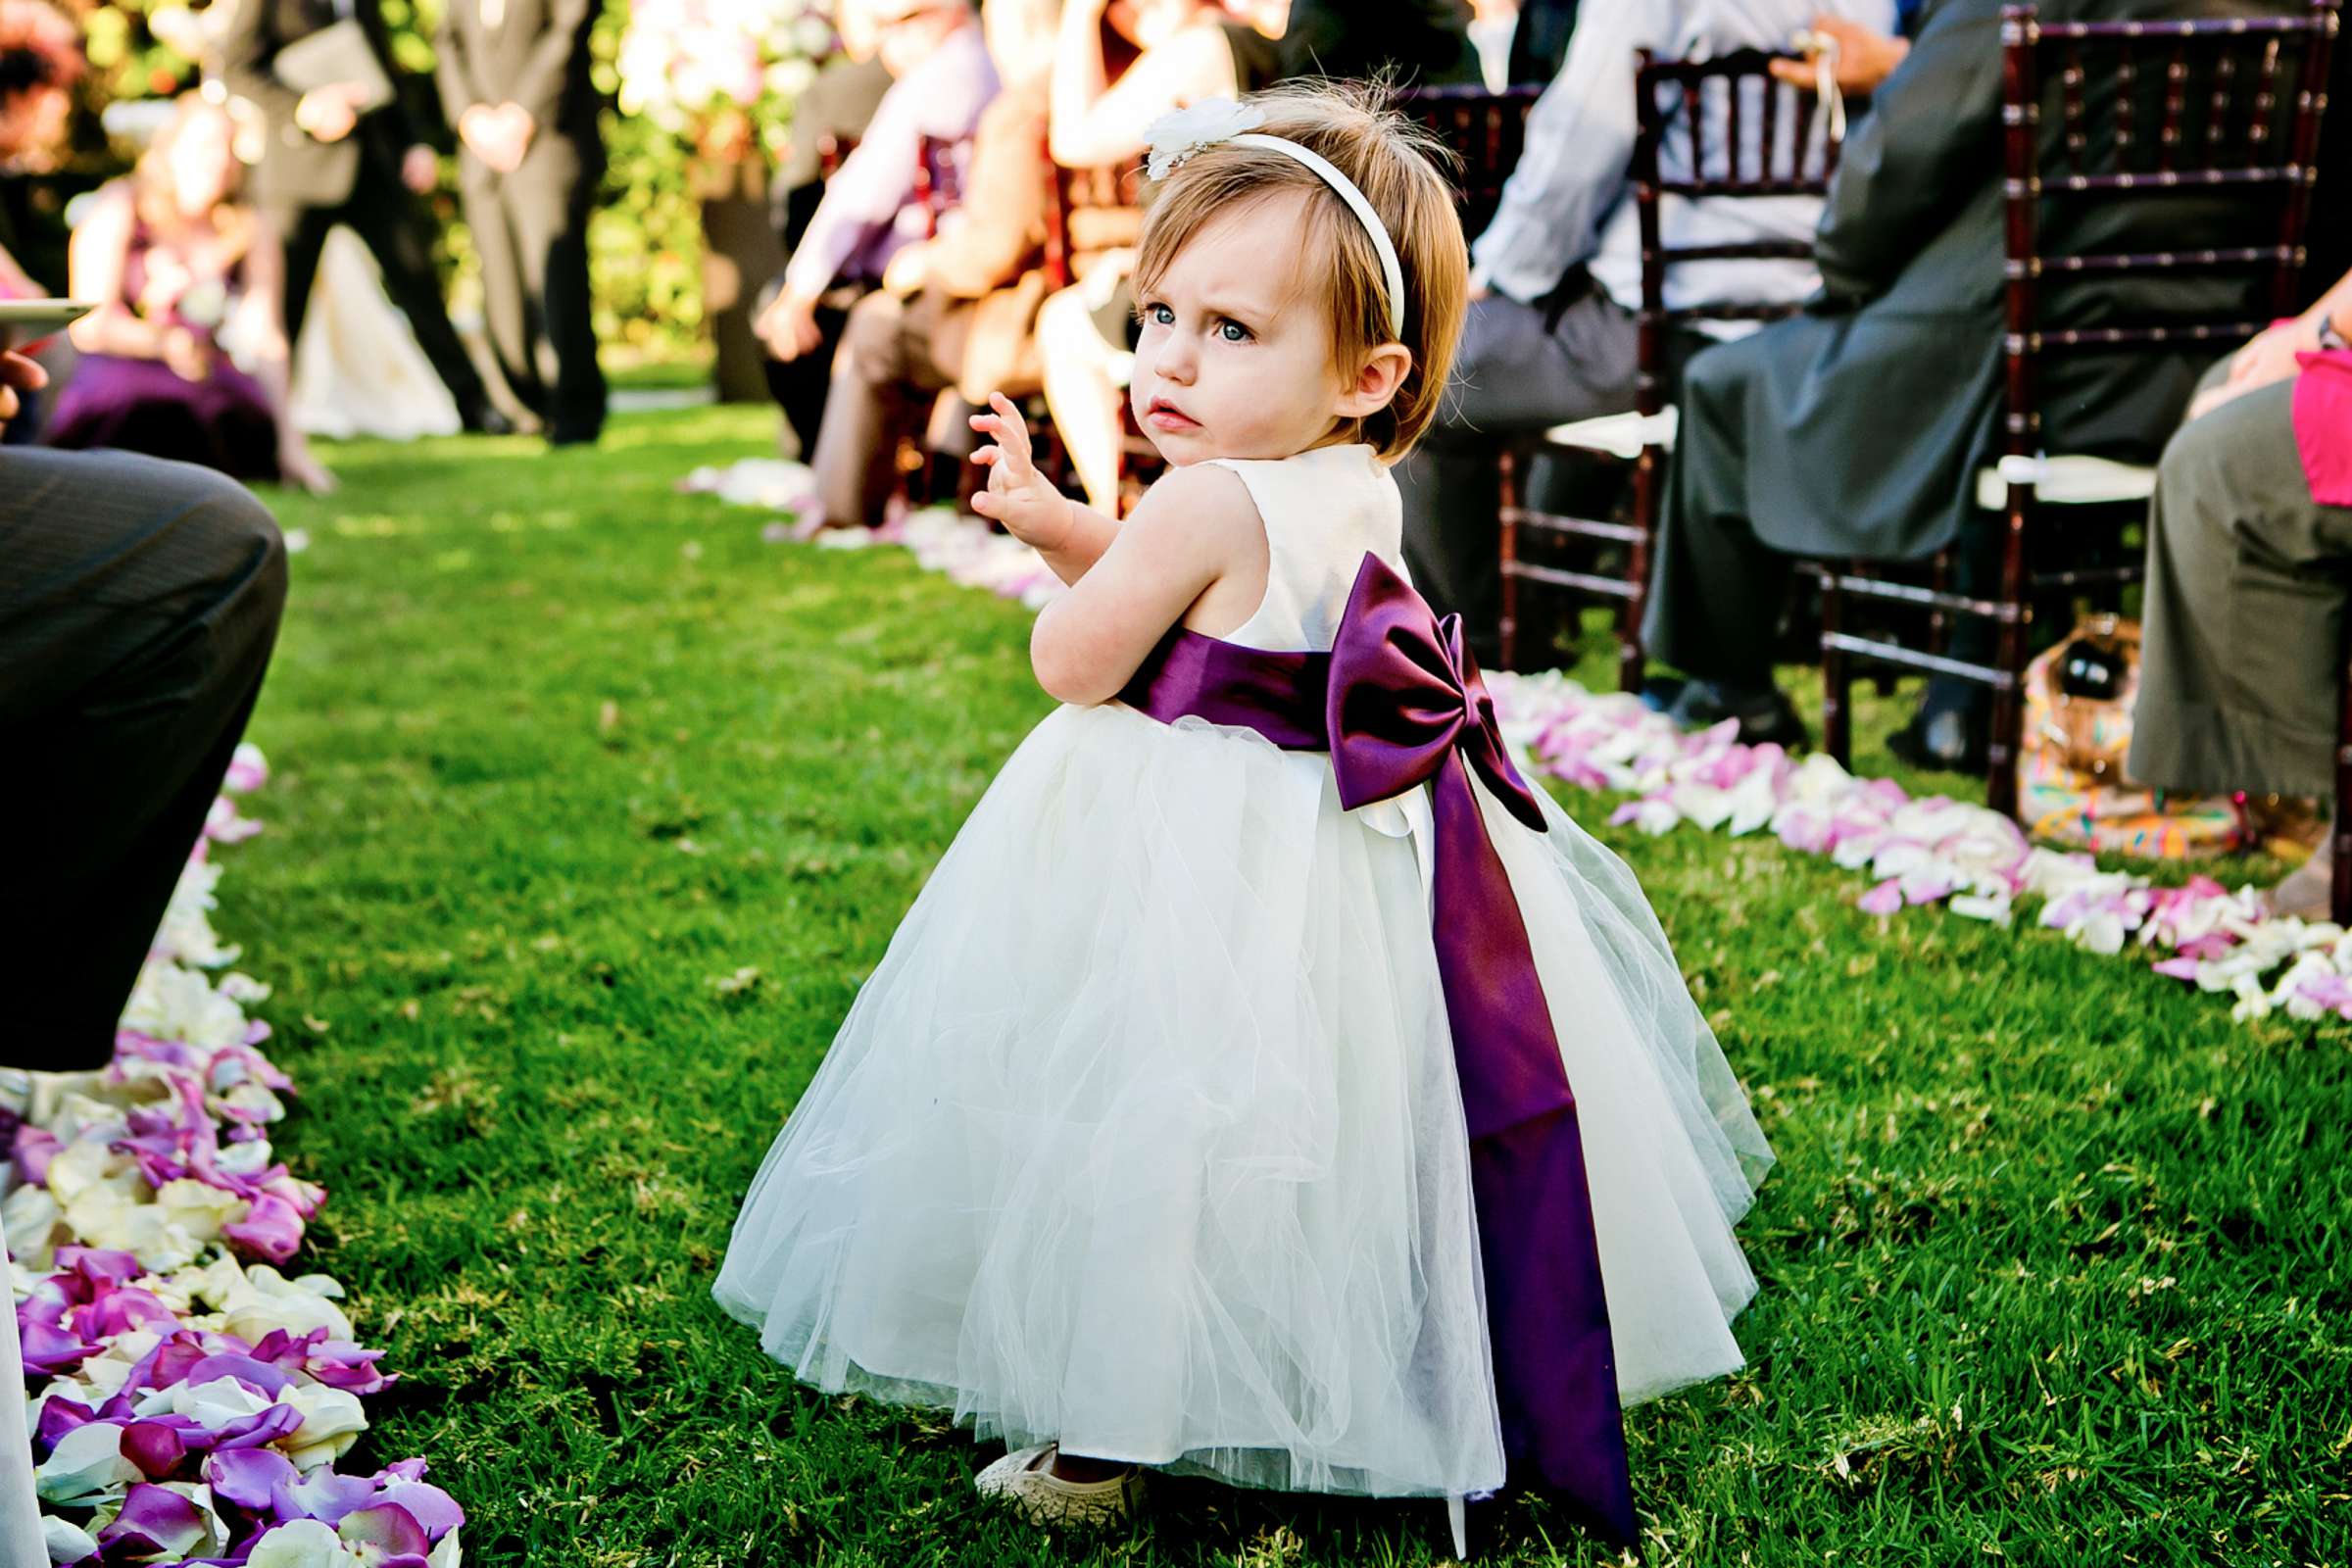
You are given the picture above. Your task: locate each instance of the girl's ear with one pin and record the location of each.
(1383, 371)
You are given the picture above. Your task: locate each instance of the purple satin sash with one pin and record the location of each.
(1398, 703)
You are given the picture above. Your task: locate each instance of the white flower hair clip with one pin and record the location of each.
(1177, 136)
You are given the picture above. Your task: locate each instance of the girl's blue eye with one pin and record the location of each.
(1233, 333)
(1159, 314)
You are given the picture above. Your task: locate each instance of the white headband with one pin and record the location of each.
(1215, 122)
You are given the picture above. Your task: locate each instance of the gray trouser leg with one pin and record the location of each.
(884, 361)
(2243, 662)
(1715, 589)
(1511, 378)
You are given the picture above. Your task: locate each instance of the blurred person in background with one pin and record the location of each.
(1119, 65)
(941, 79)
(176, 265)
(330, 157)
(41, 60)
(1552, 333)
(514, 82)
(1408, 43)
(828, 119)
(957, 309)
(1857, 429)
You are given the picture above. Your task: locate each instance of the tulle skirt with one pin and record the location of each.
(1144, 1136)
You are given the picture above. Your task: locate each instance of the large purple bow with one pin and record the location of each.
(1398, 703)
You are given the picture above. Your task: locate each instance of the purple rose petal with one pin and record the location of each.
(256, 1480)
(434, 1510)
(1885, 899)
(156, 1446)
(154, 1523)
(271, 1230)
(386, 1533)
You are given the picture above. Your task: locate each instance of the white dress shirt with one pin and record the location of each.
(1569, 200)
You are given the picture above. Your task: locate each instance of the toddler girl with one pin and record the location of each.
(1268, 1083)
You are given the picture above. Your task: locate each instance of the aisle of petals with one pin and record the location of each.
(1931, 850)
(188, 1399)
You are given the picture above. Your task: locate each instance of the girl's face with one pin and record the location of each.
(1236, 355)
(202, 161)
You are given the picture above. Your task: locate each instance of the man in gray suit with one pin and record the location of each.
(328, 161)
(1857, 429)
(513, 77)
(1557, 277)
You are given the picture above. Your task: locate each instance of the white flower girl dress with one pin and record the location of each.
(1146, 1136)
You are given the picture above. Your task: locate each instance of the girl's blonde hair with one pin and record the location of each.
(1394, 161)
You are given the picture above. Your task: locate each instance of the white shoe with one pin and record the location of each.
(1025, 1477)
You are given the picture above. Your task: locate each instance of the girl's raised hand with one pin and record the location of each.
(1017, 495)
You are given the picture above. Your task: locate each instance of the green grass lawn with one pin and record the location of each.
(591, 812)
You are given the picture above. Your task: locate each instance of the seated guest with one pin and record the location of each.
(957, 309)
(1411, 43)
(172, 259)
(828, 119)
(941, 79)
(1540, 40)
(1119, 65)
(2249, 558)
(1857, 429)
(1556, 277)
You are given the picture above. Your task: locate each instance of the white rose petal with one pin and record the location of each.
(302, 1543)
(85, 1468)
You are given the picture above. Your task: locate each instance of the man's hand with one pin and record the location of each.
(788, 327)
(1863, 59)
(328, 114)
(18, 374)
(1017, 495)
(420, 169)
(498, 136)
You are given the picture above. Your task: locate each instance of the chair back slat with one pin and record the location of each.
(2069, 85)
(2311, 104)
(2217, 113)
(2180, 72)
(1484, 130)
(1682, 95)
(1683, 108)
(2264, 104)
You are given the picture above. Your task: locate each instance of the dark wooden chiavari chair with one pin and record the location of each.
(1794, 155)
(2238, 107)
(1484, 130)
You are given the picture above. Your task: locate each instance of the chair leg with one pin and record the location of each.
(2008, 704)
(1507, 496)
(2339, 831)
(1837, 673)
(1633, 660)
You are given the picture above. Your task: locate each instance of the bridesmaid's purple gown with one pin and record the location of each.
(223, 422)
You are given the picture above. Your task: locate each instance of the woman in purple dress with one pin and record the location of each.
(177, 264)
